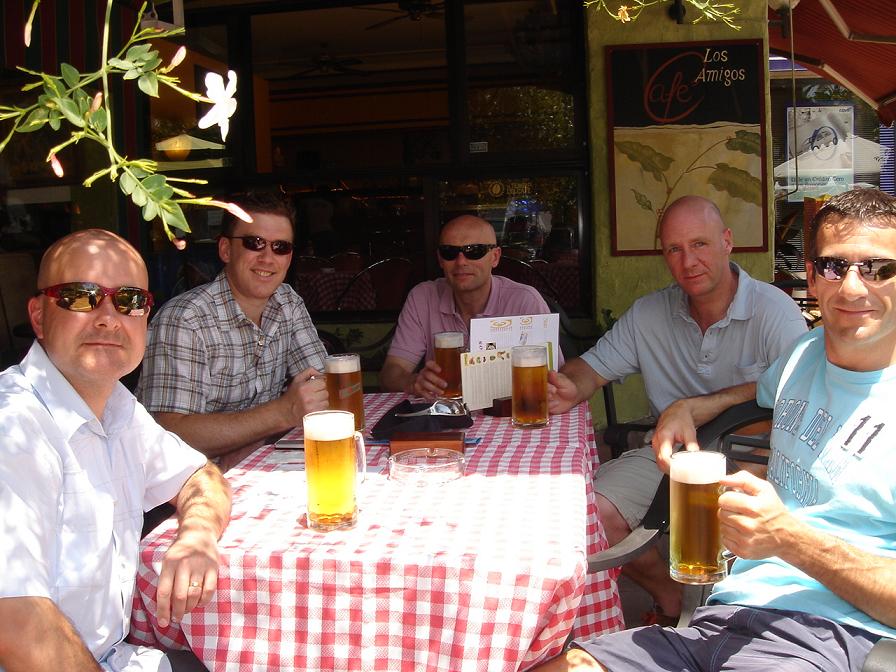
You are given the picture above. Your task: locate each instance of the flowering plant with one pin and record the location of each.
(713, 10)
(82, 101)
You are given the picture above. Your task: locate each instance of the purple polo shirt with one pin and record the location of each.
(430, 309)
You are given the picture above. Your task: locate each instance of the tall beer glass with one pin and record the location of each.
(696, 554)
(344, 387)
(529, 403)
(334, 463)
(448, 346)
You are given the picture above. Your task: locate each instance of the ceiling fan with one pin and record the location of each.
(326, 64)
(415, 10)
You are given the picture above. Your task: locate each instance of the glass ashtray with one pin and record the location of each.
(426, 466)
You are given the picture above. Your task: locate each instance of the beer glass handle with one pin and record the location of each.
(361, 450)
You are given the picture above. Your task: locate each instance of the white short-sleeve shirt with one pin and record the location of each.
(73, 490)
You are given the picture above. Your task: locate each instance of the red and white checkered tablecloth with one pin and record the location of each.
(486, 572)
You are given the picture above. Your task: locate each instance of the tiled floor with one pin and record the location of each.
(635, 600)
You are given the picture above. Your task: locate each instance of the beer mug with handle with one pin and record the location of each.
(335, 463)
(696, 554)
(345, 391)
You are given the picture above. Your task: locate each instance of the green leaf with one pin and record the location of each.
(150, 210)
(139, 173)
(149, 84)
(55, 121)
(51, 86)
(175, 218)
(31, 85)
(152, 62)
(651, 161)
(739, 183)
(99, 120)
(139, 196)
(34, 121)
(153, 182)
(120, 64)
(127, 183)
(138, 51)
(68, 107)
(642, 200)
(746, 142)
(70, 75)
(133, 73)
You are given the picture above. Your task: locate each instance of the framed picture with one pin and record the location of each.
(686, 119)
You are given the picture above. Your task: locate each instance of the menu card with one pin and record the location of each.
(486, 369)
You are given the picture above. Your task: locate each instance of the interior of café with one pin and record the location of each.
(382, 121)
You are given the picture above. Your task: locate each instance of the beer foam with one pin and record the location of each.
(328, 425)
(697, 467)
(449, 339)
(342, 364)
(531, 356)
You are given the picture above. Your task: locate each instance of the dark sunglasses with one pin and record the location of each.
(82, 297)
(257, 244)
(472, 252)
(871, 270)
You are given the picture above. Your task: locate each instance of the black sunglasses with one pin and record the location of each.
(471, 252)
(871, 270)
(82, 297)
(257, 244)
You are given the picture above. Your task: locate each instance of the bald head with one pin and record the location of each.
(692, 208)
(469, 227)
(89, 255)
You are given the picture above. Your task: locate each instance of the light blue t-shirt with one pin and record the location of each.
(833, 439)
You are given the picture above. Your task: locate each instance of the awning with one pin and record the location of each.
(852, 42)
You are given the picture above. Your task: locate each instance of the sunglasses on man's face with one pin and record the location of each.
(472, 252)
(871, 270)
(82, 297)
(257, 244)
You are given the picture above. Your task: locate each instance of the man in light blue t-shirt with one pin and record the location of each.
(814, 585)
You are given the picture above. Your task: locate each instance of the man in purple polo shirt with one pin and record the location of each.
(468, 251)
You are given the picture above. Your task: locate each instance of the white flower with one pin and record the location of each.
(224, 104)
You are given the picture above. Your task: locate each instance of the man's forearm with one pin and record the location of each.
(216, 434)
(394, 378)
(36, 637)
(865, 580)
(204, 501)
(706, 407)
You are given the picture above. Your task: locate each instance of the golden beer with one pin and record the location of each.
(696, 554)
(332, 452)
(529, 402)
(448, 345)
(344, 388)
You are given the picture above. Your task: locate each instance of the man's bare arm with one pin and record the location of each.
(216, 434)
(756, 524)
(189, 573)
(398, 375)
(575, 382)
(679, 422)
(36, 637)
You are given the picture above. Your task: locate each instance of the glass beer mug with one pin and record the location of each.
(345, 391)
(529, 402)
(448, 345)
(696, 554)
(335, 462)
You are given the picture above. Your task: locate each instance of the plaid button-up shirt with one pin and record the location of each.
(204, 355)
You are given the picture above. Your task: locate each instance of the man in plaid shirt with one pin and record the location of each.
(234, 361)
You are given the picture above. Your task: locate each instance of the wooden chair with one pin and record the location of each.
(347, 262)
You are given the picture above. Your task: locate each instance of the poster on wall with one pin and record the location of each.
(686, 119)
(820, 151)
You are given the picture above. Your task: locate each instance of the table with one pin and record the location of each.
(487, 572)
(321, 289)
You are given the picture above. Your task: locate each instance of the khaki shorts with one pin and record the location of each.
(630, 482)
